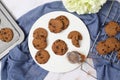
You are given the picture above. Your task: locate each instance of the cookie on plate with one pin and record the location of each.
(55, 25)
(59, 47)
(65, 21)
(102, 48)
(42, 56)
(40, 43)
(75, 42)
(40, 33)
(75, 36)
(6, 34)
(111, 28)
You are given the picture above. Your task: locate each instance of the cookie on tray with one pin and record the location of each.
(6, 34)
(40, 33)
(111, 28)
(55, 25)
(40, 43)
(42, 56)
(59, 47)
(65, 21)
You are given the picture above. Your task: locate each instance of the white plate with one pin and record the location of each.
(58, 63)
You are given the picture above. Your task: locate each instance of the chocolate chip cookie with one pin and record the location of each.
(75, 36)
(65, 21)
(40, 43)
(111, 28)
(102, 48)
(75, 42)
(55, 25)
(117, 45)
(40, 33)
(42, 56)
(111, 43)
(59, 47)
(6, 34)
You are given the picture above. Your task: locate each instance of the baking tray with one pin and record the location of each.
(6, 20)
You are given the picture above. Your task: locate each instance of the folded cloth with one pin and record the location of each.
(19, 65)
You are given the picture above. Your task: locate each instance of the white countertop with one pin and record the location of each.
(23, 7)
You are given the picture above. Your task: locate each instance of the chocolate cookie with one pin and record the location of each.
(40, 43)
(75, 36)
(42, 56)
(75, 42)
(55, 25)
(102, 48)
(111, 43)
(40, 33)
(6, 34)
(117, 45)
(59, 47)
(65, 21)
(111, 28)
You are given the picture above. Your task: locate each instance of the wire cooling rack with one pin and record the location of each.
(112, 57)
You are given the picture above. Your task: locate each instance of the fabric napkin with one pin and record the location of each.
(19, 65)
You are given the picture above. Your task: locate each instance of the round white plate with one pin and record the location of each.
(58, 63)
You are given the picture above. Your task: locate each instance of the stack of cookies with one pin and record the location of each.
(58, 24)
(6, 34)
(40, 43)
(111, 43)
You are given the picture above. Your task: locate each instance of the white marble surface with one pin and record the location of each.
(19, 7)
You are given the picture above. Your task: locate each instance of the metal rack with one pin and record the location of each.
(112, 57)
